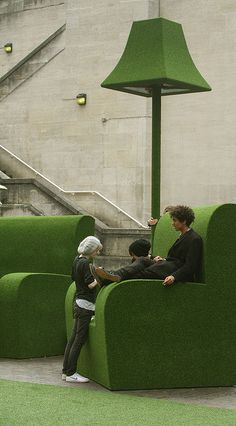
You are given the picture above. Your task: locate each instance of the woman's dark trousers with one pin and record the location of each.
(78, 338)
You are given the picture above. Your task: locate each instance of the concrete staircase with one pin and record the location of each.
(107, 214)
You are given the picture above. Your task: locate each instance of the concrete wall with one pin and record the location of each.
(199, 130)
(79, 150)
(111, 157)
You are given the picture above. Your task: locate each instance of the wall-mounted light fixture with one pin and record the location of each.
(8, 47)
(81, 99)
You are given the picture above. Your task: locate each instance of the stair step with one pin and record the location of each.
(116, 242)
(111, 263)
(19, 210)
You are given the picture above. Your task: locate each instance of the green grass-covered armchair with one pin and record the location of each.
(146, 336)
(35, 266)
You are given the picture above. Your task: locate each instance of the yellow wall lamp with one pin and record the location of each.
(81, 99)
(8, 47)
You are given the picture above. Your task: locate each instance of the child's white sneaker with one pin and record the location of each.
(63, 376)
(76, 378)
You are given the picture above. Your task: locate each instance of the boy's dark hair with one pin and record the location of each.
(183, 213)
(140, 247)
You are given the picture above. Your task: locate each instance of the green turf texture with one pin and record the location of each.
(44, 244)
(32, 404)
(156, 54)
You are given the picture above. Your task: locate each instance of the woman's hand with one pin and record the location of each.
(168, 280)
(152, 221)
(158, 258)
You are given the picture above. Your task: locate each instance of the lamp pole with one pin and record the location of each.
(156, 151)
(168, 64)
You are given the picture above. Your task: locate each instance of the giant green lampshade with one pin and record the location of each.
(156, 54)
(156, 62)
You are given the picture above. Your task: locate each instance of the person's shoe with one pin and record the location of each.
(76, 378)
(105, 275)
(63, 376)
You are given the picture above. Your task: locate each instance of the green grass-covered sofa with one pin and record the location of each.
(35, 266)
(147, 336)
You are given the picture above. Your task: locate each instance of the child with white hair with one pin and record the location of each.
(84, 307)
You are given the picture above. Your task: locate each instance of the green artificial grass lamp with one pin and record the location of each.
(156, 62)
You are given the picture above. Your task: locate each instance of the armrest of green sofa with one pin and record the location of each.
(32, 315)
(142, 332)
(129, 304)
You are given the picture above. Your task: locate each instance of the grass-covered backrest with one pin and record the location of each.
(216, 226)
(41, 244)
(220, 251)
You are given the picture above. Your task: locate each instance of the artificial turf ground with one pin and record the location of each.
(34, 404)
